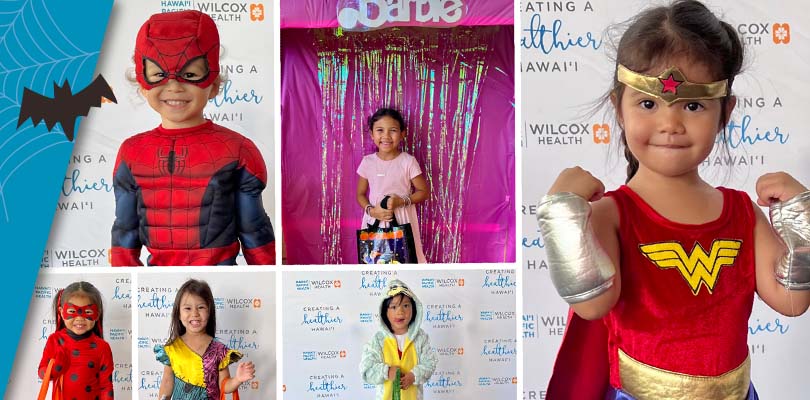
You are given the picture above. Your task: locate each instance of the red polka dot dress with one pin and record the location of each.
(84, 362)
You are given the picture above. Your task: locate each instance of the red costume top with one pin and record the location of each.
(686, 296)
(687, 290)
(84, 362)
(190, 196)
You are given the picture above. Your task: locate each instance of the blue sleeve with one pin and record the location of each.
(126, 244)
(255, 229)
(160, 355)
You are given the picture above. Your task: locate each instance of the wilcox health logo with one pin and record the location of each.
(601, 133)
(228, 11)
(781, 33)
(257, 12)
(450, 351)
(757, 33)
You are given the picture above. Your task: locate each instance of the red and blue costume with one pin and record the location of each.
(686, 296)
(190, 195)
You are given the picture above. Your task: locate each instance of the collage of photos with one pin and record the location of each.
(424, 200)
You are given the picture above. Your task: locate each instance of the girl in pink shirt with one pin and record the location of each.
(391, 172)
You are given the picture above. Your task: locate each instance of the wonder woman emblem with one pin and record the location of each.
(697, 268)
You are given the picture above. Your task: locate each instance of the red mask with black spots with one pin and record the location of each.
(88, 312)
(173, 41)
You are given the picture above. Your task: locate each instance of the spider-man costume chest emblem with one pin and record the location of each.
(172, 159)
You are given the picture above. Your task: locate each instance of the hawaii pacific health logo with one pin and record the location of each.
(119, 334)
(45, 292)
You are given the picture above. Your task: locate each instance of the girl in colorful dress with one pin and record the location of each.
(196, 364)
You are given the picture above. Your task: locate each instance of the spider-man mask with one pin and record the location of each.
(174, 40)
(88, 312)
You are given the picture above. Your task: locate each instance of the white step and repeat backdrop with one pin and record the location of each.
(115, 289)
(80, 234)
(329, 317)
(246, 308)
(565, 68)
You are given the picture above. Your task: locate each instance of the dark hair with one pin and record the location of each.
(202, 290)
(83, 289)
(384, 310)
(386, 112)
(685, 28)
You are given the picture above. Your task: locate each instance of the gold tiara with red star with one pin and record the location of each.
(671, 85)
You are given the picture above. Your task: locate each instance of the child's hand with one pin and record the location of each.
(245, 371)
(407, 380)
(394, 202)
(777, 186)
(580, 182)
(381, 214)
(392, 372)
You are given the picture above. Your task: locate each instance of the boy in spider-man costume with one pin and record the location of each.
(189, 190)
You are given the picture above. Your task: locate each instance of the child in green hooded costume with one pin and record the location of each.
(401, 348)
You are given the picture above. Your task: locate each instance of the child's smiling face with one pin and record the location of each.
(399, 313)
(78, 323)
(180, 104)
(193, 313)
(387, 134)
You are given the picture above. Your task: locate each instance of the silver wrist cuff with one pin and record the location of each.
(791, 220)
(580, 268)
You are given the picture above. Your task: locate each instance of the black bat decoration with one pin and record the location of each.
(65, 106)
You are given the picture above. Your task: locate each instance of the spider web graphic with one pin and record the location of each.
(35, 53)
(41, 41)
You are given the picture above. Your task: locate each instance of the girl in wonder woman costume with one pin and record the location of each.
(666, 266)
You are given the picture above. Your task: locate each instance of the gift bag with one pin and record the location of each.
(56, 394)
(392, 245)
